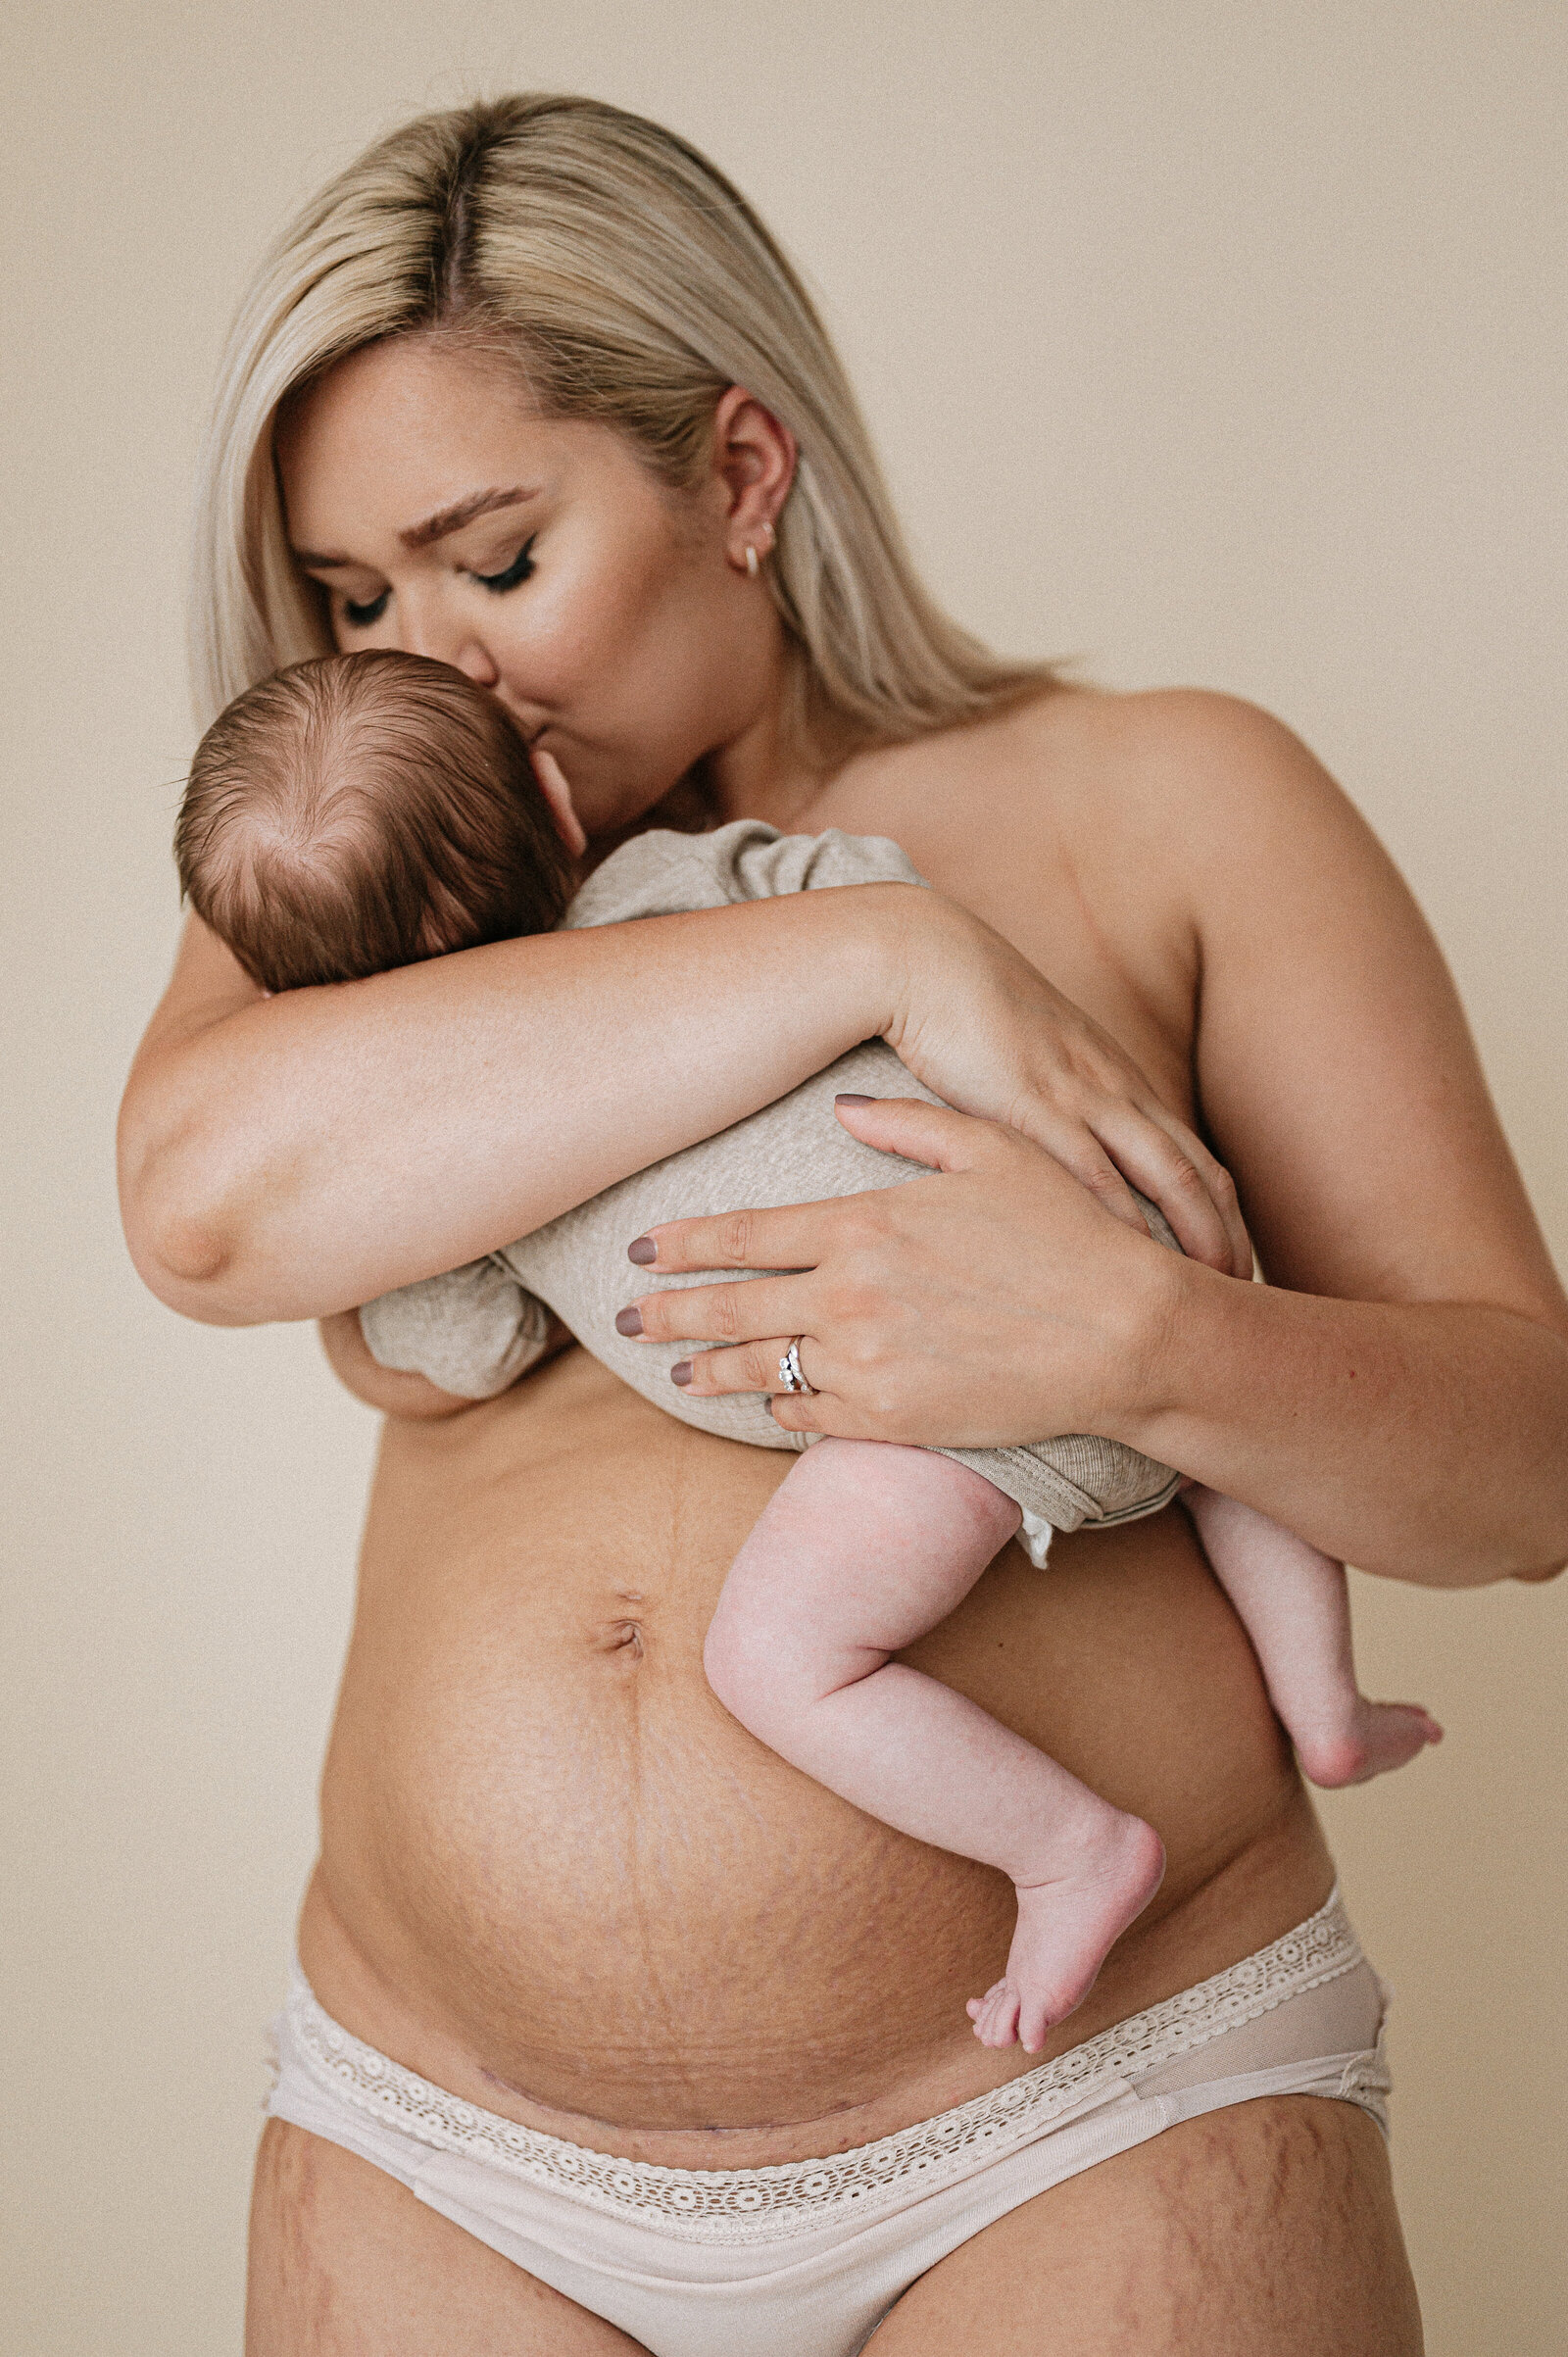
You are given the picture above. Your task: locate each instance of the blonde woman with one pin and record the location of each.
(611, 2032)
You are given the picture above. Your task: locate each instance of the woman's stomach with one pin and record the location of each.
(558, 1878)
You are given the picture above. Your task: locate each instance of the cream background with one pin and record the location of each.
(1211, 343)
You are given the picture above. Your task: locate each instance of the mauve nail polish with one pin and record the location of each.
(645, 1252)
(681, 1372)
(628, 1321)
(848, 1096)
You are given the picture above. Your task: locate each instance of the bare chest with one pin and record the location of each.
(1064, 865)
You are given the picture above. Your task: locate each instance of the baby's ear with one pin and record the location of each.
(556, 791)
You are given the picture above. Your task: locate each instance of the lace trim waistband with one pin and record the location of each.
(786, 2197)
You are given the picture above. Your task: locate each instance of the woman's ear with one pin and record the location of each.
(556, 791)
(753, 459)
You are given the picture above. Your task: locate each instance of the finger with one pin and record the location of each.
(946, 1140)
(1165, 1161)
(755, 1367)
(1226, 1201)
(933, 1134)
(791, 1236)
(816, 1412)
(747, 1311)
(794, 1235)
(1075, 1146)
(748, 1367)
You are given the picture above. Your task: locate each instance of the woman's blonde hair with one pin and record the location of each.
(633, 285)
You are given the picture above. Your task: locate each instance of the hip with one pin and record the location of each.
(802, 2260)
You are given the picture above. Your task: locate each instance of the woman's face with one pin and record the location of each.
(541, 558)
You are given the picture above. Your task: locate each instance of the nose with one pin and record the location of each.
(466, 655)
(477, 661)
(425, 631)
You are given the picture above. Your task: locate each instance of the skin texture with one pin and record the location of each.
(1126, 2259)
(859, 1552)
(531, 1794)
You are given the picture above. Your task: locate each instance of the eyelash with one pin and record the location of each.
(516, 571)
(366, 618)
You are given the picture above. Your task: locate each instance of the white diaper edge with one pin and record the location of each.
(1035, 1537)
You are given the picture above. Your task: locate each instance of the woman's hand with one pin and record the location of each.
(995, 1303)
(982, 1029)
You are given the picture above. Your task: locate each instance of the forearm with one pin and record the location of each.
(309, 1152)
(1422, 1440)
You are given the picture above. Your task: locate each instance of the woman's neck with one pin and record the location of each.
(777, 765)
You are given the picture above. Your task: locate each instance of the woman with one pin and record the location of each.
(529, 389)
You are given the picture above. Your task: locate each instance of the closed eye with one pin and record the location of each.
(516, 571)
(362, 618)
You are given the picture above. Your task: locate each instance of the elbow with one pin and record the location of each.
(184, 1262)
(178, 1236)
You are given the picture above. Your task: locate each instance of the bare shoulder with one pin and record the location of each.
(1172, 768)
(1182, 764)
(1172, 815)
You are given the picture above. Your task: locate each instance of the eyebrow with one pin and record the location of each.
(462, 511)
(435, 527)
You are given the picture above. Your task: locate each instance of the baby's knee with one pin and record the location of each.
(733, 1657)
(754, 1670)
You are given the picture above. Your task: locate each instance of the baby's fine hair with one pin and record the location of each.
(361, 811)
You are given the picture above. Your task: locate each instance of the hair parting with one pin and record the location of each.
(632, 284)
(356, 813)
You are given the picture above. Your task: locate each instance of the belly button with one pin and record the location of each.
(621, 1637)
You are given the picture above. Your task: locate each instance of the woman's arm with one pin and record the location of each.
(1401, 1399)
(288, 1158)
(1406, 1386)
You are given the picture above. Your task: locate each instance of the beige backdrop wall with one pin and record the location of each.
(1210, 343)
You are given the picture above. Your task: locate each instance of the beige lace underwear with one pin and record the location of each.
(751, 2206)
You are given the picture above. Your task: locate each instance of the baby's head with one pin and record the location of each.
(363, 811)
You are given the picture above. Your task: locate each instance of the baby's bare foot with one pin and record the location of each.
(1065, 1928)
(1377, 1737)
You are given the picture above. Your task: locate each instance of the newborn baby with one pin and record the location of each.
(365, 811)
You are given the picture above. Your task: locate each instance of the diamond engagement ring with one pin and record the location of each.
(789, 1368)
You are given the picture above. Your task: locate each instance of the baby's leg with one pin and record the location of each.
(860, 1549)
(1295, 1607)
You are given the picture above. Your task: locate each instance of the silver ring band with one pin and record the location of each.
(789, 1369)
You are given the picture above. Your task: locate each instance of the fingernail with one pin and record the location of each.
(681, 1373)
(628, 1321)
(847, 1098)
(645, 1252)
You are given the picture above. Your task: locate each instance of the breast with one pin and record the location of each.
(541, 1827)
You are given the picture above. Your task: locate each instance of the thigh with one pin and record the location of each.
(345, 2262)
(1267, 2230)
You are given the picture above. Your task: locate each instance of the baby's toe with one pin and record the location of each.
(1034, 2019)
(998, 2023)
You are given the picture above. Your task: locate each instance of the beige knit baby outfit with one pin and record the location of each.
(476, 1329)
